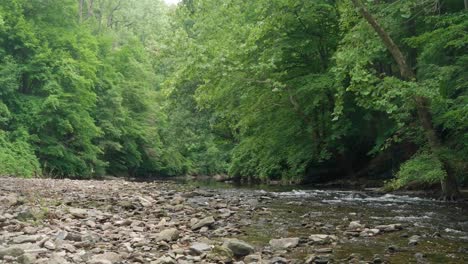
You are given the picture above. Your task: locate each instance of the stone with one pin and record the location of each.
(164, 260)
(207, 221)
(369, 232)
(145, 201)
(220, 254)
(324, 250)
(167, 235)
(10, 200)
(284, 243)
(392, 249)
(68, 247)
(389, 228)
(57, 259)
(377, 259)
(198, 248)
(322, 238)
(414, 240)
(27, 214)
(11, 251)
(107, 257)
(26, 259)
(25, 239)
(253, 258)
(310, 259)
(78, 212)
(354, 225)
(278, 260)
(238, 247)
(49, 245)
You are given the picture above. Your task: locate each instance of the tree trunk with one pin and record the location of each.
(466, 4)
(449, 183)
(81, 10)
(91, 8)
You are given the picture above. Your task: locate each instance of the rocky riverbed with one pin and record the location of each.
(102, 222)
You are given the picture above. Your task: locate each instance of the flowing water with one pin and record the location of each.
(442, 226)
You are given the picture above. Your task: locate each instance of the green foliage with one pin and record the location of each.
(17, 157)
(266, 89)
(422, 168)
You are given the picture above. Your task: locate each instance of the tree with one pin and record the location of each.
(448, 183)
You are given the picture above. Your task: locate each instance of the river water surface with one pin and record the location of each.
(441, 227)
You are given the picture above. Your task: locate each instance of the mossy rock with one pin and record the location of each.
(221, 254)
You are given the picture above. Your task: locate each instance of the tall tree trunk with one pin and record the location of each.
(91, 8)
(466, 4)
(81, 10)
(449, 183)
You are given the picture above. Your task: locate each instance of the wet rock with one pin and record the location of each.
(369, 232)
(238, 247)
(207, 221)
(392, 249)
(310, 259)
(324, 250)
(355, 225)
(377, 259)
(167, 235)
(414, 240)
(420, 258)
(284, 243)
(322, 259)
(389, 228)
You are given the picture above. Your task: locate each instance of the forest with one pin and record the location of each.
(291, 91)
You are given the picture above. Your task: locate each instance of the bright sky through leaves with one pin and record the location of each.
(171, 2)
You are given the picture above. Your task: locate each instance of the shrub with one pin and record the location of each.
(422, 169)
(17, 158)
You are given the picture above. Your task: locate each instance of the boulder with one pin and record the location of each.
(78, 212)
(207, 221)
(167, 235)
(284, 243)
(355, 225)
(220, 254)
(198, 248)
(322, 238)
(238, 247)
(107, 257)
(11, 251)
(26, 238)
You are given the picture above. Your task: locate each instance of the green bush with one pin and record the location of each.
(422, 169)
(17, 158)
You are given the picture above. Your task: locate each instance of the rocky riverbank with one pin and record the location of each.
(102, 222)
